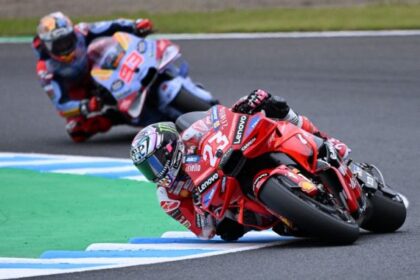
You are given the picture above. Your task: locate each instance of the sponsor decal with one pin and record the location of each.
(192, 159)
(170, 205)
(342, 169)
(165, 182)
(224, 184)
(164, 171)
(166, 127)
(252, 124)
(140, 152)
(199, 220)
(193, 168)
(208, 196)
(185, 223)
(353, 183)
(177, 215)
(208, 182)
(256, 183)
(225, 157)
(240, 129)
(307, 187)
(142, 46)
(247, 145)
(222, 116)
(215, 118)
(370, 181)
(177, 160)
(117, 85)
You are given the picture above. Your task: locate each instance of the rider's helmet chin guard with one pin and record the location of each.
(157, 151)
(57, 34)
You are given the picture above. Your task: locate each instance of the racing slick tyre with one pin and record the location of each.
(384, 214)
(308, 215)
(187, 102)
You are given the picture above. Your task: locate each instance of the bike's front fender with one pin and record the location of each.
(290, 178)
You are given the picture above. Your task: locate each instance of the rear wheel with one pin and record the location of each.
(384, 213)
(315, 219)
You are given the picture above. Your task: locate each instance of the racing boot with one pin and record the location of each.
(80, 129)
(342, 149)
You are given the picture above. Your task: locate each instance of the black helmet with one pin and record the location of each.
(157, 151)
(57, 34)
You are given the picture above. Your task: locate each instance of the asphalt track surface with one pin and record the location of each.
(365, 91)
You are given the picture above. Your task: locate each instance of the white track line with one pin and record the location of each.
(167, 246)
(98, 170)
(61, 156)
(137, 178)
(260, 35)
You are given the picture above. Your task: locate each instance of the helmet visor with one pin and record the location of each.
(155, 166)
(63, 46)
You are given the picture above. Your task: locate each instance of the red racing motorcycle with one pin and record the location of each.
(272, 174)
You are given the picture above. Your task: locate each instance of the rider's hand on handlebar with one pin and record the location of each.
(88, 106)
(251, 103)
(143, 27)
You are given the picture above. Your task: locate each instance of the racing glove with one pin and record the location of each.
(143, 27)
(89, 106)
(252, 103)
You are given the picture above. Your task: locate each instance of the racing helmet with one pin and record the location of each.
(157, 152)
(57, 34)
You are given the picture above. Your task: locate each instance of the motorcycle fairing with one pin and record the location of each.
(233, 136)
(141, 54)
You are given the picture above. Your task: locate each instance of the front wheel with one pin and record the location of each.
(315, 219)
(384, 213)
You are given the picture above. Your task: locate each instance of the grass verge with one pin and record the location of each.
(377, 17)
(41, 211)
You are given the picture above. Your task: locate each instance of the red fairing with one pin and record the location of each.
(350, 185)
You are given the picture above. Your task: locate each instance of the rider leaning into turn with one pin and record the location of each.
(159, 152)
(63, 68)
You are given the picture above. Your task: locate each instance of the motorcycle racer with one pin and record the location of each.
(159, 151)
(63, 68)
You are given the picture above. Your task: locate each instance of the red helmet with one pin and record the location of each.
(57, 34)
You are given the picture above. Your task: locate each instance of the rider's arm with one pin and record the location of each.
(56, 92)
(91, 31)
(274, 107)
(183, 210)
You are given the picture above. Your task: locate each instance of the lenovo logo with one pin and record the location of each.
(240, 130)
(208, 182)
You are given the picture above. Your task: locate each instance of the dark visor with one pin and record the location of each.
(153, 167)
(64, 45)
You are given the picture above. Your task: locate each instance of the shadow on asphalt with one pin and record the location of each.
(315, 243)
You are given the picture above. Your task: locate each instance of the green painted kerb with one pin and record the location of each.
(15, 39)
(40, 211)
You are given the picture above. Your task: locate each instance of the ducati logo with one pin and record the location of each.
(169, 205)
